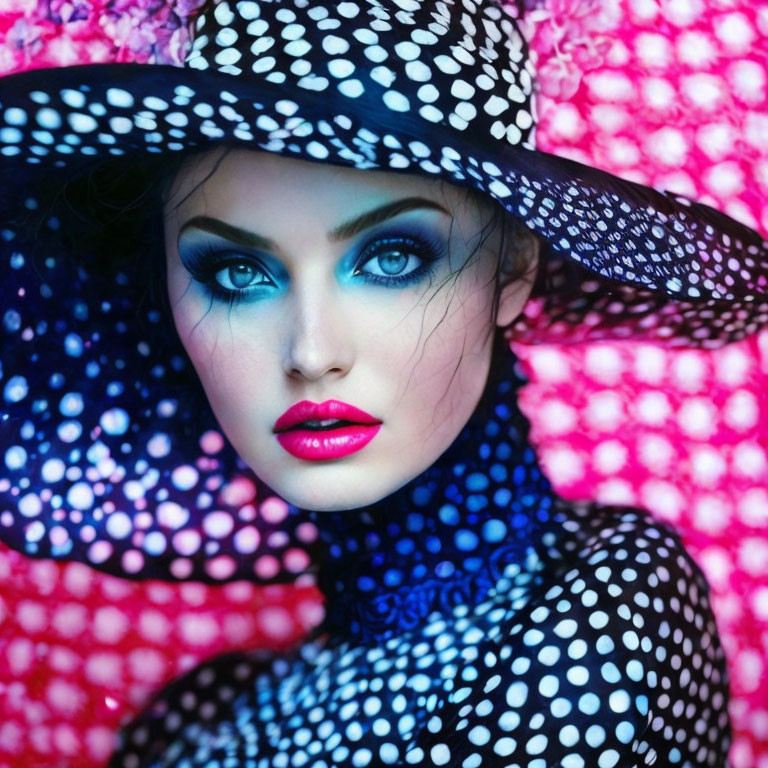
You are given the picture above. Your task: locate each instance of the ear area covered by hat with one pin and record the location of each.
(111, 453)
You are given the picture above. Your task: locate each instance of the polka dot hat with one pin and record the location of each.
(437, 88)
(110, 453)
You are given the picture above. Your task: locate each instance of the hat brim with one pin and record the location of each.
(112, 455)
(623, 260)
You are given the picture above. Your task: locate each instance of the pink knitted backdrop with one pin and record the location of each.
(672, 93)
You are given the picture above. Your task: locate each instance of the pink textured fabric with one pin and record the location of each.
(672, 93)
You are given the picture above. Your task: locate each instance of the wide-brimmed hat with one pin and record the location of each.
(109, 456)
(437, 88)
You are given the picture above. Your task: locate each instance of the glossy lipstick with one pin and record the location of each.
(308, 430)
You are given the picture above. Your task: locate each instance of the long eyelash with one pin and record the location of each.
(205, 262)
(429, 250)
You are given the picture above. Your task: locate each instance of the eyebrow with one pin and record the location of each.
(343, 232)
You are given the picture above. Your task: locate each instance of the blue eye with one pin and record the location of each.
(239, 276)
(396, 260)
(228, 275)
(391, 261)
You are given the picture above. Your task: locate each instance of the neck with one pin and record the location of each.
(448, 535)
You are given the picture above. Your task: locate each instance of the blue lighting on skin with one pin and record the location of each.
(394, 257)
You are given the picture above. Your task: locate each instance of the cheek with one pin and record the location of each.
(226, 364)
(460, 316)
(235, 384)
(450, 370)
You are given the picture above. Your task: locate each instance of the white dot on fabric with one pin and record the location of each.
(514, 134)
(561, 707)
(407, 51)
(82, 123)
(227, 57)
(598, 619)
(48, 118)
(566, 628)
(479, 735)
(549, 686)
(500, 190)
(569, 735)
(595, 735)
(462, 90)
(533, 637)
(155, 103)
(578, 675)
(119, 525)
(610, 672)
(118, 97)
(503, 747)
(549, 655)
(295, 48)
(577, 649)
(537, 744)
(589, 703)
(635, 670)
(15, 116)
(418, 71)
(517, 694)
(351, 88)
(396, 101)
(10, 135)
(317, 150)
(334, 45)
(619, 701)
(226, 37)
(608, 759)
(625, 732)
(341, 68)
(440, 754)
(447, 64)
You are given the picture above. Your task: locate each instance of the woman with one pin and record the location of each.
(473, 617)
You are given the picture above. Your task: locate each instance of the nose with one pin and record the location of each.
(319, 341)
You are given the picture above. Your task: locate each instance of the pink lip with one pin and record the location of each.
(323, 445)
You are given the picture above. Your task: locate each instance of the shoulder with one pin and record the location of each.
(629, 611)
(614, 660)
(623, 554)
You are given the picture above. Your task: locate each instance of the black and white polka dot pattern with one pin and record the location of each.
(473, 620)
(442, 89)
(464, 65)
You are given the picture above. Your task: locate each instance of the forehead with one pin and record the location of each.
(234, 177)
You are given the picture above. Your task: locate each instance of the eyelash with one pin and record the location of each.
(205, 263)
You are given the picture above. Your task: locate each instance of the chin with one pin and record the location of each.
(330, 501)
(333, 496)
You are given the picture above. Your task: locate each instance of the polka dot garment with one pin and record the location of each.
(473, 619)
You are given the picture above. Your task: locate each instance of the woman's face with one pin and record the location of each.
(298, 283)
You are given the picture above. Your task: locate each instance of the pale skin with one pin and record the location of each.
(309, 322)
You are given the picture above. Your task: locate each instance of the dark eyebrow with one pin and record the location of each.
(382, 213)
(342, 232)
